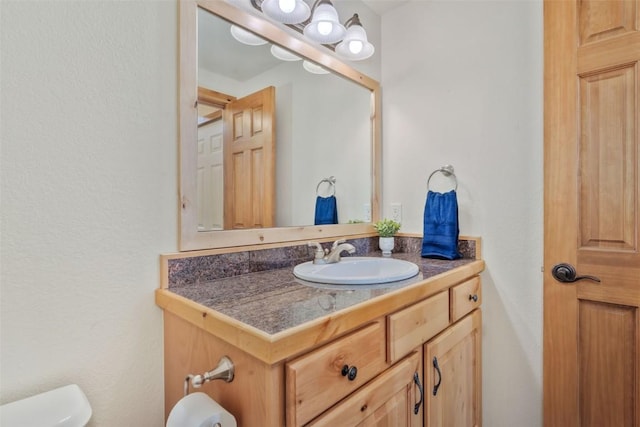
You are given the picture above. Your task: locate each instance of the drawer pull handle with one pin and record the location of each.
(416, 379)
(473, 298)
(350, 372)
(364, 408)
(437, 386)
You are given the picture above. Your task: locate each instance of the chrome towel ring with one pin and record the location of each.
(446, 170)
(332, 186)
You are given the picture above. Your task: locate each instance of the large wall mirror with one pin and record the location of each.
(269, 132)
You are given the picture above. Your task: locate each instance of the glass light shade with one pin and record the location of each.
(287, 6)
(283, 54)
(246, 37)
(286, 11)
(313, 68)
(325, 27)
(355, 45)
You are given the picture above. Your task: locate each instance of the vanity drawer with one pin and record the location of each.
(416, 324)
(314, 382)
(387, 400)
(465, 298)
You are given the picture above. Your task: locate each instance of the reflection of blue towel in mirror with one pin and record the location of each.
(440, 239)
(326, 210)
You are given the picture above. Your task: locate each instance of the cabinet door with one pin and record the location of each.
(393, 399)
(452, 364)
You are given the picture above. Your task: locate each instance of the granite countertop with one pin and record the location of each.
(274, 301)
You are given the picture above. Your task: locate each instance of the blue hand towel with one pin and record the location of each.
(326, 210)
(440, 239)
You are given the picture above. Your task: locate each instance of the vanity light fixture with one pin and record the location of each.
(286, 11)
(325, 26)
(246, 37)
(349, 41)
(355, 45)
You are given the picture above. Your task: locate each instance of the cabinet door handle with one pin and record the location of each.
(437, 386)
(473, 297)
(416, 379)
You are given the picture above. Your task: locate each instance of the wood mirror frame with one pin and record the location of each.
(192, 239)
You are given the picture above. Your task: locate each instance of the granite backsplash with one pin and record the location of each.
(192, 270)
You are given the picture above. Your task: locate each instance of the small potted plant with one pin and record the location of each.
(386, 229)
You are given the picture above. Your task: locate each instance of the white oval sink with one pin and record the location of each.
(357, 271)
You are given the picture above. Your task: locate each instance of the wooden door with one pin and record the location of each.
(210, 176)
(453, 375)
(592, 211)
(249, 161)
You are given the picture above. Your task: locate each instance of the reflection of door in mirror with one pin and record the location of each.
(249, 161)
(236, 160)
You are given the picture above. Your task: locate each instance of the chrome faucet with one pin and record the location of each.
(325, 256)
(337, 248)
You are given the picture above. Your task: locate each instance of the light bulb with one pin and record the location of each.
(325, 27)
(287, 6)
(355, 46)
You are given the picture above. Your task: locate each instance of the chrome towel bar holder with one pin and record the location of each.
(446, 170)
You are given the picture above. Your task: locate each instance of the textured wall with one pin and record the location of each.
(462, 84)
(89, 184)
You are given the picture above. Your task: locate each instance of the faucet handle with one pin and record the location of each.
(319, 252)
(337, 242)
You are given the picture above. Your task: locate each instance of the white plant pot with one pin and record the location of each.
(386, 245)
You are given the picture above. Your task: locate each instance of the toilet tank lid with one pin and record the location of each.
(62, 407)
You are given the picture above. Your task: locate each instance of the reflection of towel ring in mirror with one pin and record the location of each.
(446, 170)
(332, 185)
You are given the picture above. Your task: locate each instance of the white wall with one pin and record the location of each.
(462, 85)
(89, 196)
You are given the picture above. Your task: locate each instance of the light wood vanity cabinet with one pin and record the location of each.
(444, 327)
(392, 354)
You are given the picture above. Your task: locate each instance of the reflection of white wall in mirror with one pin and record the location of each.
(337, 142)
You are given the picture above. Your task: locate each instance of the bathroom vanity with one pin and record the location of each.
(406, 353)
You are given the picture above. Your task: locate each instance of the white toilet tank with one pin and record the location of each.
(62, 407)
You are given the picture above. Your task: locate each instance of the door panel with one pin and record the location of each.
(599, 20)
(607, 358)
(608, 190)
(210, 176)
